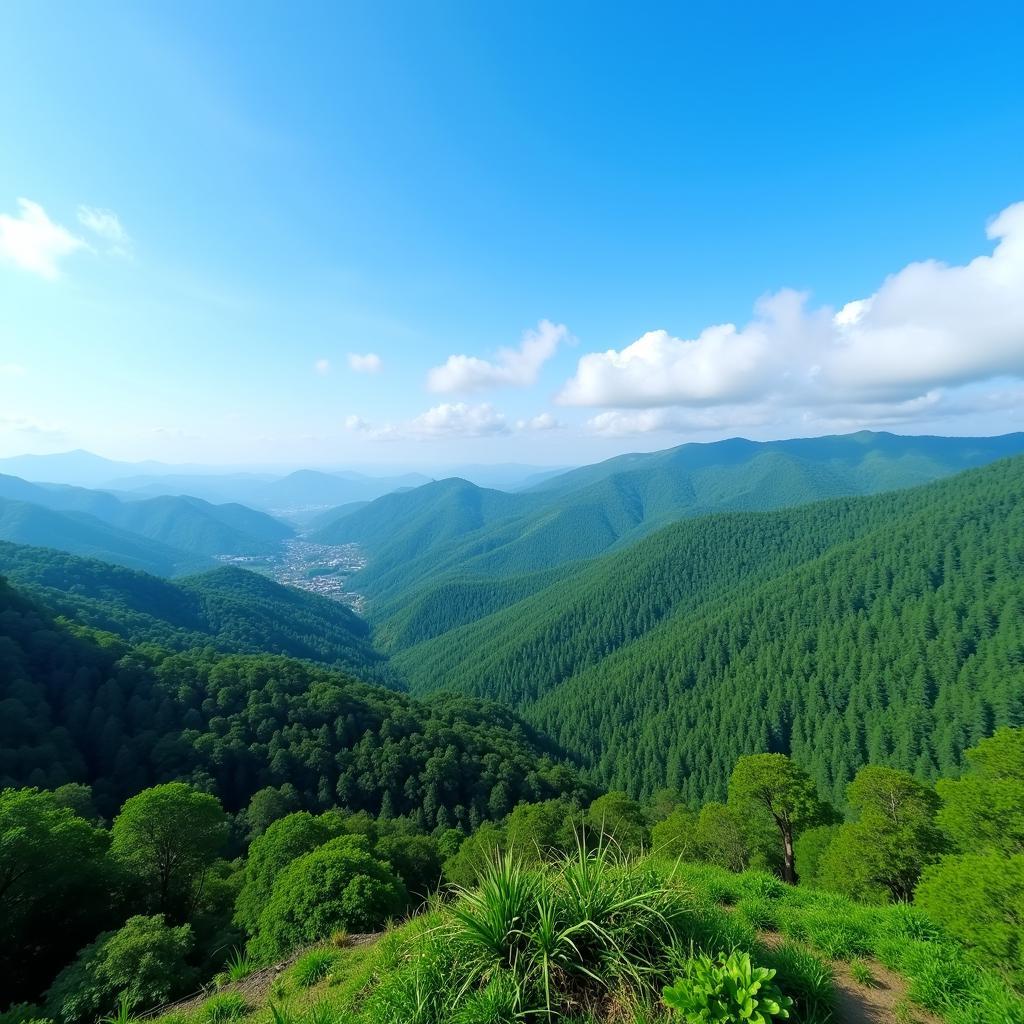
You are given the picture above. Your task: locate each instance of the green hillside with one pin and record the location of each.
(84, 534)
(187, 524)
(884, 629)
(227, 608)
(451, 528)
(86, 707)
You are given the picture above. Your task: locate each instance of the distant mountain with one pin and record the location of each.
(191, 525)
(883, 629)
(302, 490)
(84, 534)
(78, 467)
(455, 529)
(228, 608)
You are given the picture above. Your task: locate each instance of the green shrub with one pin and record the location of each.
(337, 885)
(145, 958)
(727, 989)
(225, 1006)
(979, 900)
(24, 1013)
(313, 966)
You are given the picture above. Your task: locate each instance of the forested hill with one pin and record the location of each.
(227, 608)
(85, 707)
(452, 529)
(887, 629)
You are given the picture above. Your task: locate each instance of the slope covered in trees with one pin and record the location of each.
(452, 528)
(166, 536)
(227, 608)
(82, 534)
(884, 629)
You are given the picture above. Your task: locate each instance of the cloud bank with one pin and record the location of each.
(512, 367)
(452, 420)
(928, 327)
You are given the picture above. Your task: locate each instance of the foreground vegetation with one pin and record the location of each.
(561, 908)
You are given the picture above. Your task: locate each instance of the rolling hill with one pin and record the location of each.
(885, 629)
(453, 529)
(84, 534)
(227, 608)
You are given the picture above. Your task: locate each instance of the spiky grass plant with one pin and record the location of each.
(313, 967)
(238, 966)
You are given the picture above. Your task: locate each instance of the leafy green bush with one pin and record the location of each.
(313, 966)
(146, 958)
(725, 989)
(336, 885)
(24, 1013)
(979, 899)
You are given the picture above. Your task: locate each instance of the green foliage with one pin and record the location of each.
(230, 609)
(725, 989)
(880, 630)
(313, 967)
(238, 724)
(337, 885)
(860, 971)
(168, 837)
(808, 849)
(616, 818)
(978, 898)
(284, 840)
(772, 785)
(223, 1007)
(238, 966)
(882, 853)
(985, 809)
(676, 835)
(145, 958)
(52, 867)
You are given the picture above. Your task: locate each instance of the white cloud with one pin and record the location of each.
(542, 421)
(448, 420)
(34, 242)
(370, 362)
(928, 327)
(106, 225)
(322, 367)
(459, 420)
(512, 367)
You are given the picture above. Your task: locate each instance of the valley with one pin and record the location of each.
(321, 569)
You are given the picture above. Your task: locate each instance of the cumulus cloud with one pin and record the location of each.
(511, 367)
(322, 367)
(106, 224)
(542, 421)
(451, 420)
(930, 326)
(369, 362)
(35, 243)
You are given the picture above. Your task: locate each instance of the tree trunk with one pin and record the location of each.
(788, 871)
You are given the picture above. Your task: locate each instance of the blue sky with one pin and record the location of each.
(534, 218)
